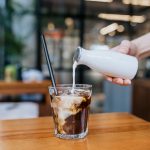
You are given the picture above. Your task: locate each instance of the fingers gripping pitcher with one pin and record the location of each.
(108, 62)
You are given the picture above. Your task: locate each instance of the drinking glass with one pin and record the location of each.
(70, 109)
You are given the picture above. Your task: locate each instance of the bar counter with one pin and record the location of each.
(108, 131)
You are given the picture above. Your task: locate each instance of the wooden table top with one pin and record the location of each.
(110, 131)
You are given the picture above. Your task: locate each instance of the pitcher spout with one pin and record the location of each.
(77, 54)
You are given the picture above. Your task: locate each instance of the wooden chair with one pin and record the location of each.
(18, 88)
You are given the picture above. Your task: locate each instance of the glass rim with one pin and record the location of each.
(70, 86)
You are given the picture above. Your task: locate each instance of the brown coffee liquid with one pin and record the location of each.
(76, 122)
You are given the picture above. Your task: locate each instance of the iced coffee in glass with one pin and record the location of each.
(70, 109)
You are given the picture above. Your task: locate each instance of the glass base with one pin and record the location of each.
(72, 136)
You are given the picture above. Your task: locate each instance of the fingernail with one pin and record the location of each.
(127, 82)
(118, 81)
(109, 79)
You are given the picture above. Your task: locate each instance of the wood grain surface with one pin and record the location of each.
(110, 131)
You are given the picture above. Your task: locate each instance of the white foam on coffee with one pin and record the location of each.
(64, 103)
(63, 114)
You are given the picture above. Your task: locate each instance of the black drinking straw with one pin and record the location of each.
(50, 69)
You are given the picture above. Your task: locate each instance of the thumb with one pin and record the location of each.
(124, 47)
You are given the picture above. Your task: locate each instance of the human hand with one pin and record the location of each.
(125, 48)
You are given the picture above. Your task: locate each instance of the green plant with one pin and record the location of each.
(13, 44)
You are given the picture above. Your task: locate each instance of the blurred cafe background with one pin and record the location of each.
(92, 24)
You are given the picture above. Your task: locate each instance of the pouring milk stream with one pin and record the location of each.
(107, 62)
